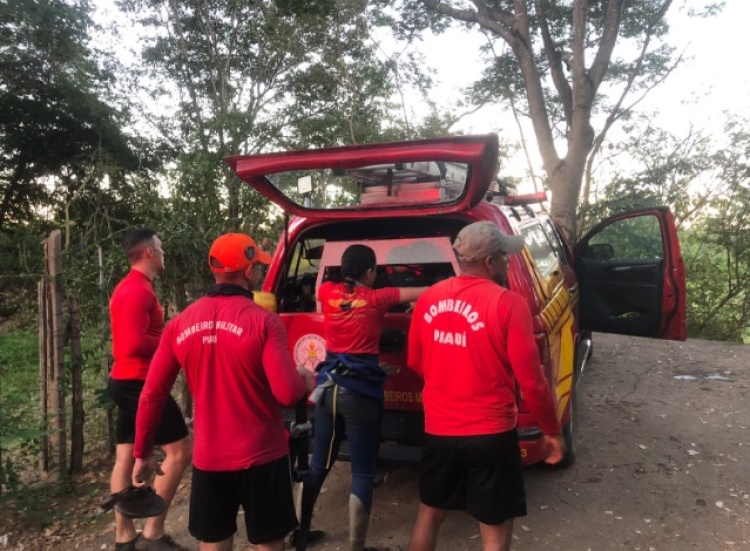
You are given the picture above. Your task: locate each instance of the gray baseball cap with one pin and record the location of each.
(482, 239)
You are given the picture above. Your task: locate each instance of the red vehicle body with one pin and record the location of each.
(408, 201)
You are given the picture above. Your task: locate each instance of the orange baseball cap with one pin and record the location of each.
(233, 252)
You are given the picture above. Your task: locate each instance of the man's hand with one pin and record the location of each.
(309, 378)
(556, 447)
(144, 468)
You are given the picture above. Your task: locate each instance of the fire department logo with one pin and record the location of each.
(309, 350)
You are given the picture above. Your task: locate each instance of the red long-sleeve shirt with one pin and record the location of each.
(469, 338)
(352, 318)
(137, 321)
(240, 372)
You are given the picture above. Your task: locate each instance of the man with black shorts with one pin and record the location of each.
(137, 320)
(471, 339)
(241, 373)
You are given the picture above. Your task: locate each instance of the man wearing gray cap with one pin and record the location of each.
(470, 340)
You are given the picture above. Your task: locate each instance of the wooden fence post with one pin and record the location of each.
(76, 381)
(43, 368)
(56, 369)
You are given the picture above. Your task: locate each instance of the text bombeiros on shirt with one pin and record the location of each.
(459, 307)
(209, 326)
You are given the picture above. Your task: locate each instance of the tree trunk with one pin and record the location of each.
(565, 184)
(77, 413)
(186, 400)
(103, 332)
(564, 202)
(233, 199)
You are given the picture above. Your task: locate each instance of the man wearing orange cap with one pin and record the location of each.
(240, 372)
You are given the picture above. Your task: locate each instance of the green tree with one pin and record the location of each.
(717, 251)
(651, 166)
(707, 184)
(57, 133)
(250, 76)
(553, 62)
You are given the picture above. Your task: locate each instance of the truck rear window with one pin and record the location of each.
(401, 263)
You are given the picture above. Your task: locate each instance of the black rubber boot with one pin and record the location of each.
(310, 493)
(359, 519)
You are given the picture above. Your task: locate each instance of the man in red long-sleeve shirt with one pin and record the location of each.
(470, 339)
(137, 319)
(240, 372)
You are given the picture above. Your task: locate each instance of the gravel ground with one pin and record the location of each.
(663, 452)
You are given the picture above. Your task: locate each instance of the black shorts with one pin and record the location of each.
(480, 474)
(263, 491)
(125, 394)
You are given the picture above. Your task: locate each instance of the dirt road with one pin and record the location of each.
(663, 464)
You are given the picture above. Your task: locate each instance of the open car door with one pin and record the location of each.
(632, 277)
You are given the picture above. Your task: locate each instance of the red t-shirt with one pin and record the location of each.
(240, 372)
(469, 338)
(352, 319)
(137, 321)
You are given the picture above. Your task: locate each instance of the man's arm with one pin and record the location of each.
(414, 342)
(162, 374)
(135, 338)
(287, 385)
(526, 365)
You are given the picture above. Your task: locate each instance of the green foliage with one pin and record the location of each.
(19, 418)
(19, 367)
(667, 170)
(502, 79)
(707, 185)
(21, 426)
(55, 125)
(633, 238)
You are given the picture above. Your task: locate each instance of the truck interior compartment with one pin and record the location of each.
(428, 265)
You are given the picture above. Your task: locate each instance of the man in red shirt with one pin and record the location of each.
(137, 319)
(471, 339)
(240, 372)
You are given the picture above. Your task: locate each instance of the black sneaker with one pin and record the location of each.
(313, 537)
(135, 502)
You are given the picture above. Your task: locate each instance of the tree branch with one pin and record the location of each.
(553, 57)
(470, 16)
(612, 20)
(616, 112)
(185, 66)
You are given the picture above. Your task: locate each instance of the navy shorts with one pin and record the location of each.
(126, 394)
(263, 491)
(480, 474)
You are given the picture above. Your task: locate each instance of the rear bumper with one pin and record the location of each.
(532, 447)
(402, 439)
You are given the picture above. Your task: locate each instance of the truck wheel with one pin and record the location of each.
(569, 433)
(587, 335)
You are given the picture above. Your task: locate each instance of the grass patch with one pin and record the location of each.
(21, 427)
(19, 385)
